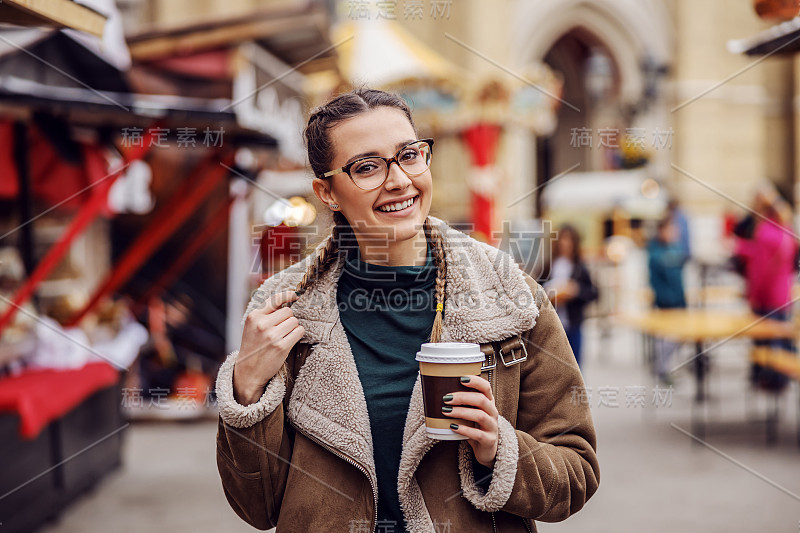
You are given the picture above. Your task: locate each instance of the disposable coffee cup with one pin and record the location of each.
(441, 365)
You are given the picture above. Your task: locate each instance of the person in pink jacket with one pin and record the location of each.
(769, 258)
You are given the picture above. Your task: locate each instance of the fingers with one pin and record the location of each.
(477, 406)
(274, 318)
(484, 420)
(285, 327)
(473, 399)
(479, 384)
(272, 313)
(277, 300)
(293, 337)
(481, 437)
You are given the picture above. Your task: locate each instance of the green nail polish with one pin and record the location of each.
(447, 409)
(465, 379)
(447, 397)
(453, 426)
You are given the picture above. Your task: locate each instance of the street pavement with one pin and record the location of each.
(654, 476)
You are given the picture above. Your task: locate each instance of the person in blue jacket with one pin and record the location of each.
(666, 258)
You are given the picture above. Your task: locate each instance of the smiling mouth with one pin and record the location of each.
(399, 206)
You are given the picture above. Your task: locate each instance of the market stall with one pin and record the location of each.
(79, 152)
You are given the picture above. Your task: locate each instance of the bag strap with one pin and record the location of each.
(512, 351)
(515, 349)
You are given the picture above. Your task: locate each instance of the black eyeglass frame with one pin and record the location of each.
(387, 160)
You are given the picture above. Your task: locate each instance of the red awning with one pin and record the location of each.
(53, 178)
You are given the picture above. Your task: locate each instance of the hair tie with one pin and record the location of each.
(439, 307)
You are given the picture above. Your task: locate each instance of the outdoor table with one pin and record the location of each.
(700, 326)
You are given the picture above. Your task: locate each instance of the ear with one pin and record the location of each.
(322, 188)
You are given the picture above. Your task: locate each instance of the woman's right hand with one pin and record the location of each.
(269, 335)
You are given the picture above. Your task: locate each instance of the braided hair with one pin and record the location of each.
(320, 157)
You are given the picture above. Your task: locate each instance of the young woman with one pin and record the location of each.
(570, 286)
(321, 418)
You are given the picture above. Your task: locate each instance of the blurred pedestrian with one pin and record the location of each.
(570, 286)
(681, 222)
(666, 257)
(769, 263)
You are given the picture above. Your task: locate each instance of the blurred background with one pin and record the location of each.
(637, 157)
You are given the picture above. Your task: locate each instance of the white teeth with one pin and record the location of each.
(397, 206)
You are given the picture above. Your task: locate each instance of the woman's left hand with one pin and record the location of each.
(484, 437)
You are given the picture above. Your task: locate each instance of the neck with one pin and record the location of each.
(409, 252)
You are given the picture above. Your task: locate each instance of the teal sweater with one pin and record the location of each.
(387, 312)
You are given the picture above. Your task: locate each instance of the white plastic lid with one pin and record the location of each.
(450, 352)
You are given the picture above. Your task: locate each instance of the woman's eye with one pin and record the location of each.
(409, 155)
(365, 168)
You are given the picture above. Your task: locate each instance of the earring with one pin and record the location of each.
(333, 206)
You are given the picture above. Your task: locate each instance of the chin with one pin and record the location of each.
(407, 229)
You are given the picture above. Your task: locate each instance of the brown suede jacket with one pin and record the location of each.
(301, 458)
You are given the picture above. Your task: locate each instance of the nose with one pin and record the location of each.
(397, 179)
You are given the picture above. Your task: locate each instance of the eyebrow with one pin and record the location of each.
(370, 154)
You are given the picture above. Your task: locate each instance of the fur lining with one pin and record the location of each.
(416, 444)
(486, 299)
(503, 475)
(241, 416)
(328, 401)
(486, 296)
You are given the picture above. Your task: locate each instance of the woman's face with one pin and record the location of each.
(566, 246)
(381, 131)
(668, 233)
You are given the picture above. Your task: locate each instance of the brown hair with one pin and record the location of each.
(320, 157)
(572, 232)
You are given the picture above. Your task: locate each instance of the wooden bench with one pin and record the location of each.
(785, 362)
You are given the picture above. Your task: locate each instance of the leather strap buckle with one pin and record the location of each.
(491, 362)
(515, 347)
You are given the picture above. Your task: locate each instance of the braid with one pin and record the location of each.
(323, 261)
(327, 256)
(435, 238)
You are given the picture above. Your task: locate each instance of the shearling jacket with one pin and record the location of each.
(301, 458)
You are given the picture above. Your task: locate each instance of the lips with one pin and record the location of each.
(398, 206)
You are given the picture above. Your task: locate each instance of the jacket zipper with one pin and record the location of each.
(490, 373)
(491, 385)
(352, 462)
(525, 521)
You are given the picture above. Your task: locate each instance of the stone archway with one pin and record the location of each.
(565, 34)
(628, 28)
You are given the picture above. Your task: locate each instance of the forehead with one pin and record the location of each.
(378, 130)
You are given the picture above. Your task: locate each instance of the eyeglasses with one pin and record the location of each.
(369, 173)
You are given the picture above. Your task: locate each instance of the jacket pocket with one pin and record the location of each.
(244, 492)
(232, 466)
